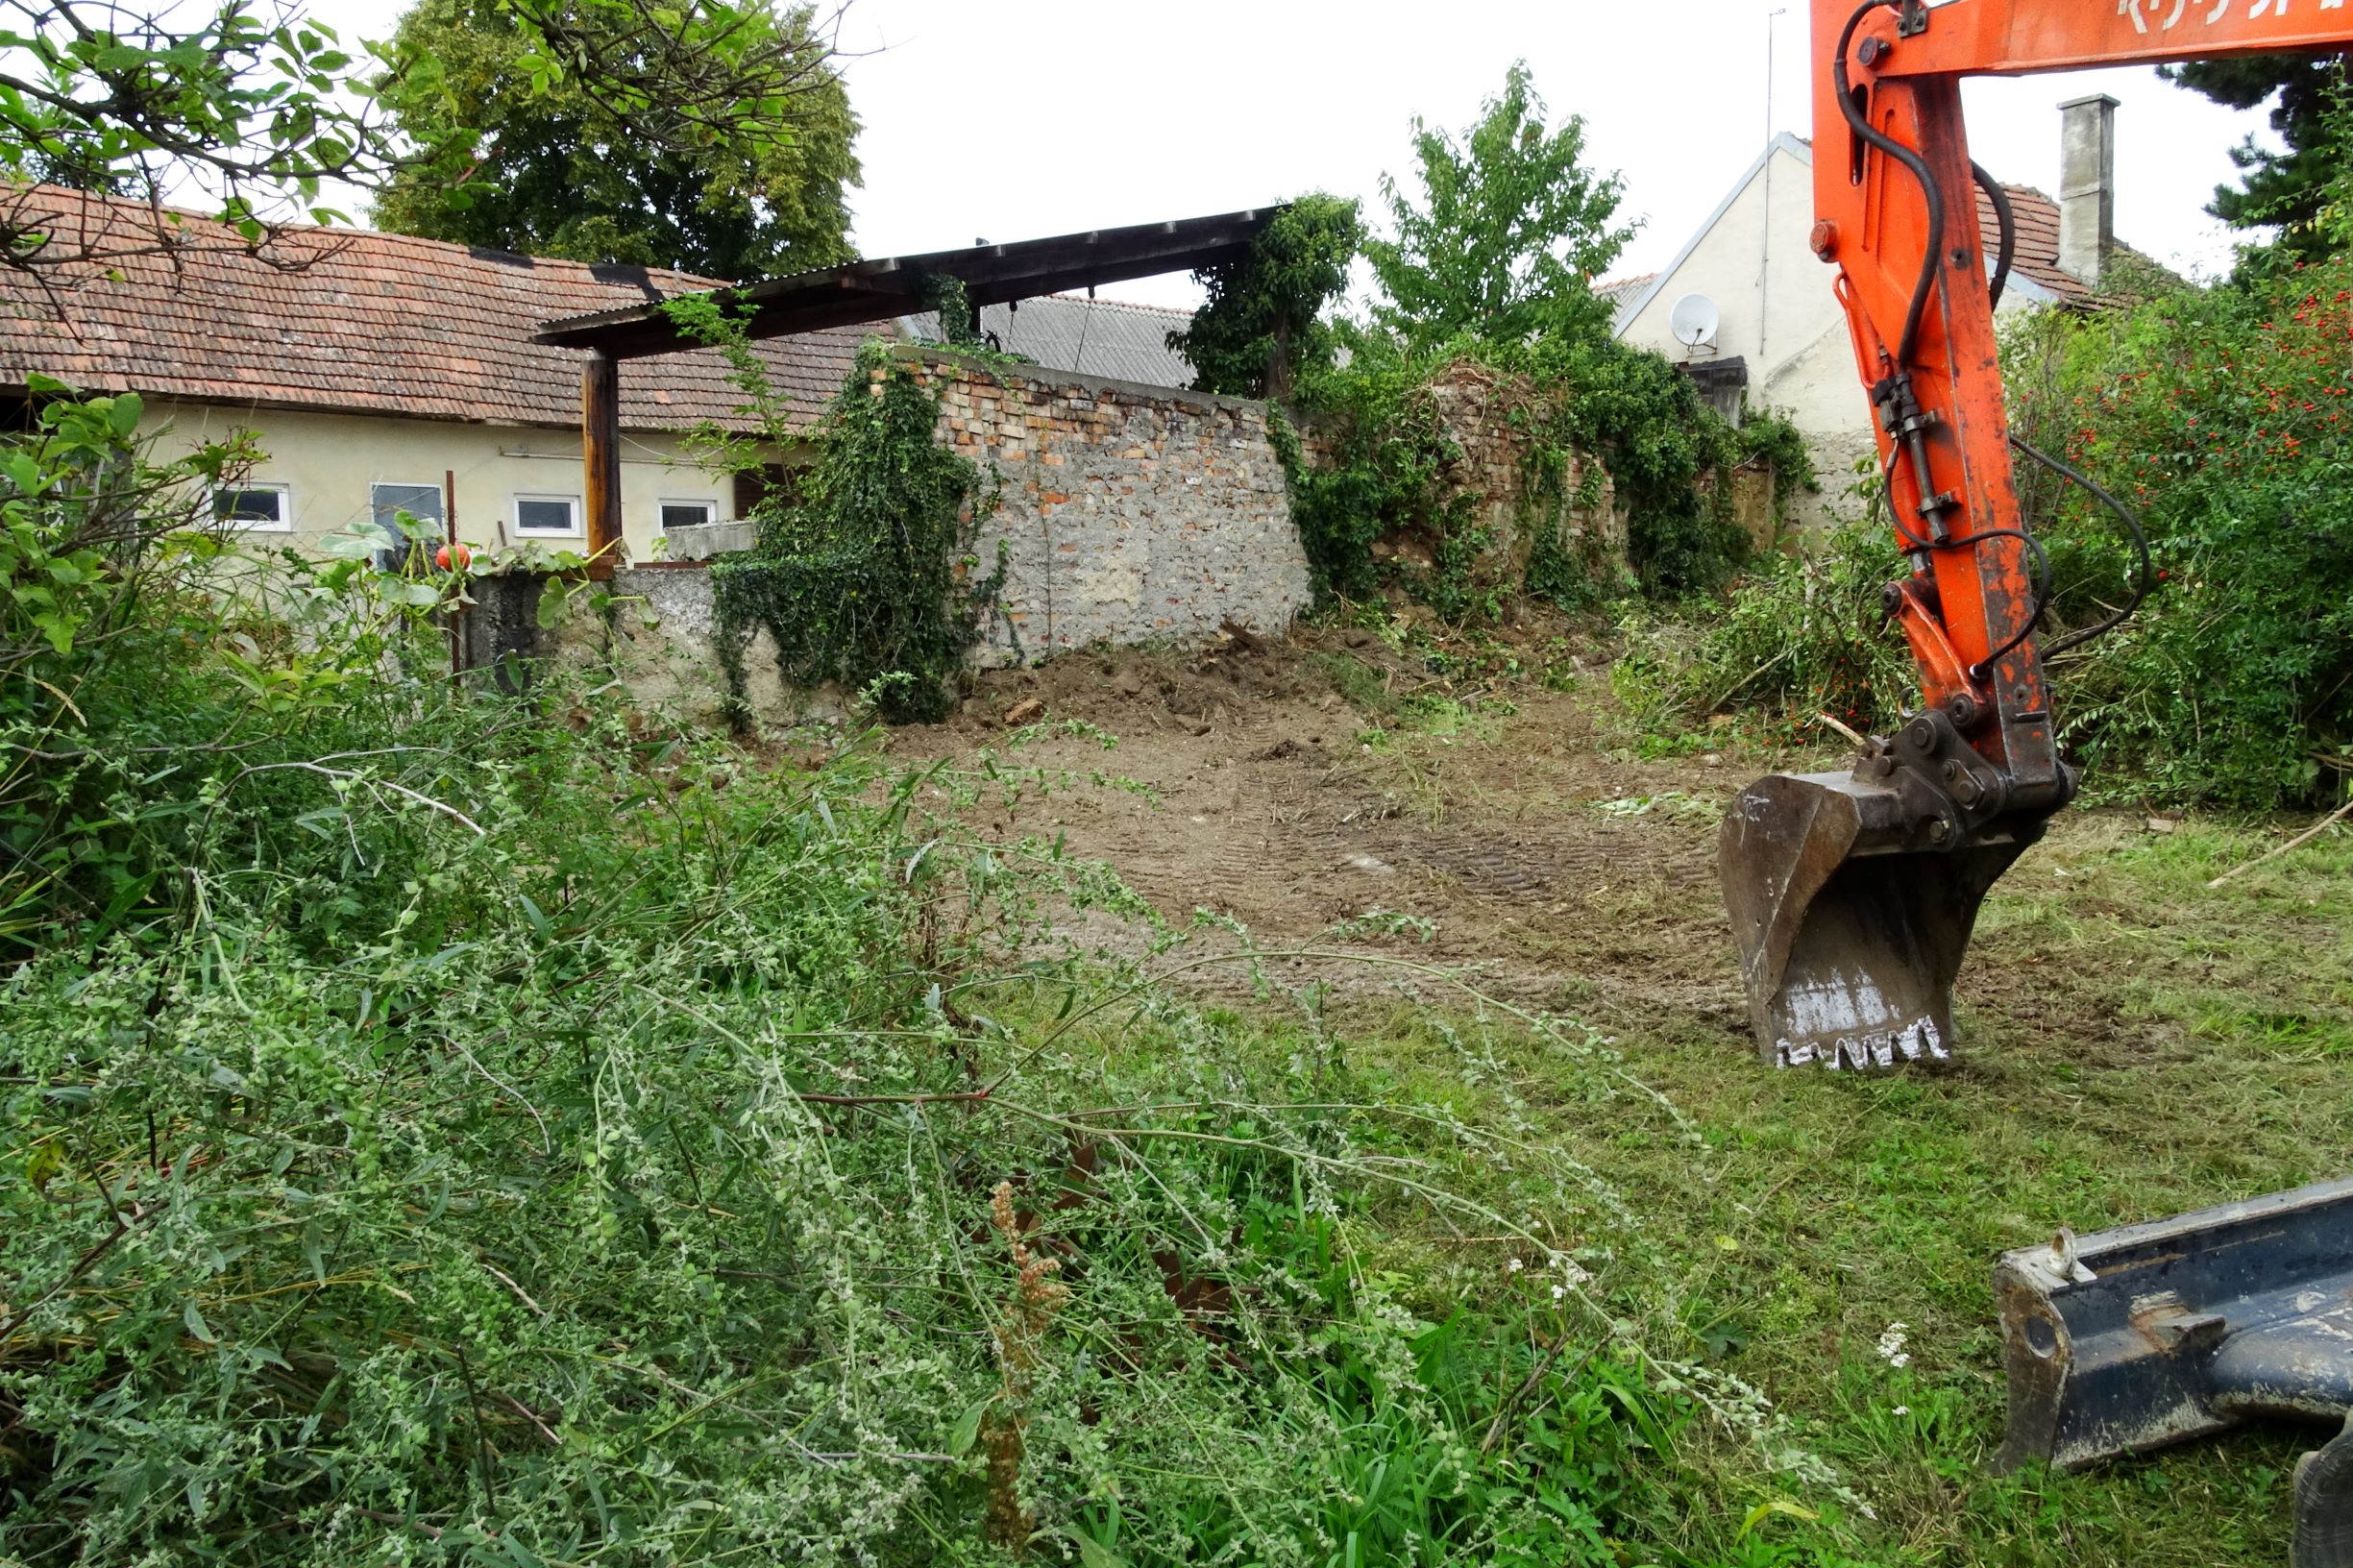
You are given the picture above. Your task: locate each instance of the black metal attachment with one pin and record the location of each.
(2156, 1333)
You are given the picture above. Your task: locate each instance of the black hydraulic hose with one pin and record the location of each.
(2143, 578)
(2034, 547)
(2042, 590)
(1911, 160)
(2005, 222)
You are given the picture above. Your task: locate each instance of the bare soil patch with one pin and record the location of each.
(1562, 868)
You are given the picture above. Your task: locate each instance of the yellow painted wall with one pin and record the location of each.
(329, 461)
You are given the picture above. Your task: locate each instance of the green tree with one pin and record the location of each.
(527, 159)
(255, 106)
(1263, 324)
(2283, 189)
(1510, 229)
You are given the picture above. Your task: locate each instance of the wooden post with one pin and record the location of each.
(600, 458)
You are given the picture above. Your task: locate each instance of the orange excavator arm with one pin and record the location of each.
(1852, 895)
(1895, 200)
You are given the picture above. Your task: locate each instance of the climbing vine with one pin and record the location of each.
(861, 573)
(1260, 327)
(867, 579)
(1378, 464)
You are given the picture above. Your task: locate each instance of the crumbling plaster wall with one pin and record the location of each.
(1125, 514)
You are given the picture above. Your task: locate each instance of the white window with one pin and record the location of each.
(688, 514)
(257, 505)
(545, 516)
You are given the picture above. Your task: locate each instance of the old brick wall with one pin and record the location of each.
(1128, 513)
(1477, 408)
(1486, 414)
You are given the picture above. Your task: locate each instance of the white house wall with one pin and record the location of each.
(1749, 262)
(1755, 260)
(329, 463)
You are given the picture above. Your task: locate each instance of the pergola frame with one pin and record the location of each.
(866, 292)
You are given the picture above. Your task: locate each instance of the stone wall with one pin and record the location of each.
(1485, 415)
(1127, 513)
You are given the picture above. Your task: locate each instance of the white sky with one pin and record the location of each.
(1012, 119)
(1015, 118)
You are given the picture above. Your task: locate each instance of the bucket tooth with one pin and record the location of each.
(1851, 916)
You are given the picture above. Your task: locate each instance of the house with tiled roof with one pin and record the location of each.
(1618, 293)
(381, 373)
(1779, 338)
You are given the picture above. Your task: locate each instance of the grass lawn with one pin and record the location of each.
(2138, 1045)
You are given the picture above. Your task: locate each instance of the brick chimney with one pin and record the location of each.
(2087, 185)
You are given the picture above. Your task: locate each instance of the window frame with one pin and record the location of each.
(708, 503)
(573, 501)
(440, 497)
(281, 488)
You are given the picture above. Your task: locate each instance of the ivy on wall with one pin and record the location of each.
(863, 574)
(1260, 327)
(1381, 463)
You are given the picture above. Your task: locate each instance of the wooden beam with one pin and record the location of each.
(876, 291)
(601, 459)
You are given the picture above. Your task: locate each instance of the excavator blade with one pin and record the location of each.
(2154, 1334)
(1851, 916)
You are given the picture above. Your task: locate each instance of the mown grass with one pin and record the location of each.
(2137, 1045)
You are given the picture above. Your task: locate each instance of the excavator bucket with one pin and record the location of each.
(2155, 1333)
(1851, 899)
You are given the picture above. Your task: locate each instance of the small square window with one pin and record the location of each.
(260, 507)
(547, 515)
(688, 514)
(385, 504)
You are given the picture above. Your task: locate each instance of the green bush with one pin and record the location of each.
(1385, 460)
(1798, 637)
(2220, 413)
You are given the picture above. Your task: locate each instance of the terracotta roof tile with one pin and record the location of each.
(370, 322)
(2038, 242)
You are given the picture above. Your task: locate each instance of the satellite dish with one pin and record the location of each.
(1693, 321)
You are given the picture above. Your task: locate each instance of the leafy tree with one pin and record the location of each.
(1262, 326)
(1509, 227)
(2283, 189)
(530, 160)
(258, 109)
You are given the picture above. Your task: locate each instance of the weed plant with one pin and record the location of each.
(454, 1127)
(2221, 415)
